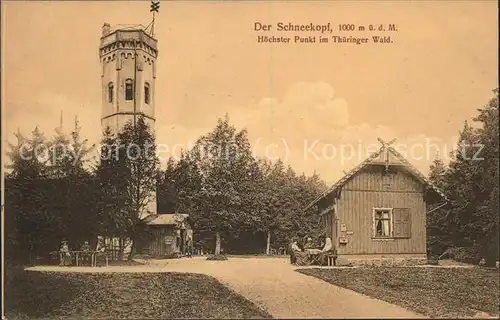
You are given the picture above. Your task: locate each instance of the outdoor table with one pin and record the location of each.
(93, 257)
(313, 255)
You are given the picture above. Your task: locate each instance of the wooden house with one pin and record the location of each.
(376, 214)
(166, 235)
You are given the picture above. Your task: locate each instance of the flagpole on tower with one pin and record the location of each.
(153, 25)
(155, 7)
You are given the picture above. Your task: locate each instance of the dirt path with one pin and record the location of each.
(274, 285)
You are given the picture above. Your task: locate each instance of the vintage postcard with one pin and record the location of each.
(250, 159)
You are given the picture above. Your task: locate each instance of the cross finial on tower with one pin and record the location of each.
(155, 8)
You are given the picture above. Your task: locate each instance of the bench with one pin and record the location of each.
(331, 258)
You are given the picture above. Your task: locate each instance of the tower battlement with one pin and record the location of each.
(129, 38)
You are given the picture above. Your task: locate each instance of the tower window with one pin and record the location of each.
(146, 93)
(110, 92)
(129, 89)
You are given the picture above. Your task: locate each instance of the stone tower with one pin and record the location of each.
(128, 73)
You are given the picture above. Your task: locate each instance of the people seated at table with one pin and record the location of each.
(100, 257)
(301, 258)
(325, 251)
(328, 245)
(64, 255)
(308, 244)
(85, 248)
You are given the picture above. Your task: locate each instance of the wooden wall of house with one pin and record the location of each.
(157, 245)
(369, 189)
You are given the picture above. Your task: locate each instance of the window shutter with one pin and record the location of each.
(402, 222)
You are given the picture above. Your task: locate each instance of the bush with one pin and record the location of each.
(433, 261)
(216, 257)
(436, 245)
(174, 255)
(465, 254)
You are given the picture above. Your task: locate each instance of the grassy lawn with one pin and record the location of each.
(434, 292)
(121, 295)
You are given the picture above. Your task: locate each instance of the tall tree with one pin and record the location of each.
(29, 157)
(79, 150)
(166, 192)
(219, 154)
(438, 228)
(112, 175)
(471, 183)
(437, 173)
(59, 150)
(488, 160)
(138, 151)
(128, 172)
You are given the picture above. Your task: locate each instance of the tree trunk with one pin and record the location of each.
(132, 251)
(217, 243)
(121, 248)
(268, 244)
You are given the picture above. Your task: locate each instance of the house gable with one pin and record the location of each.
(387, 157)
(377, 178)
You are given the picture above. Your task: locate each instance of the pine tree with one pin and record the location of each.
(29, 157)
(437, 173)
(79, 150)
(167, 198)
(487, 212)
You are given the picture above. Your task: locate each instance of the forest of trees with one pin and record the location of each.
(237, 202)
(469, 224)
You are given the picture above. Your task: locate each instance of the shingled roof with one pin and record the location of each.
(373, 159)
(165, 219)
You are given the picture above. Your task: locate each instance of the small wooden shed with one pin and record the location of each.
(167, 234)
(376, 214)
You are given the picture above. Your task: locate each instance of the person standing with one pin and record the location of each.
(290, 250)
(294, 248)
(189, 246)
(65, 254)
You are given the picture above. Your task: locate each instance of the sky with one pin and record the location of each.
(320, 107)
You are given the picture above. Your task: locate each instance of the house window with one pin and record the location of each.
(382, 222)
(129, 89)
(110, 92)
(146, 93)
